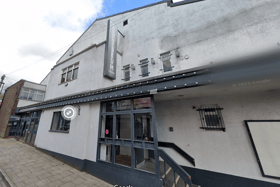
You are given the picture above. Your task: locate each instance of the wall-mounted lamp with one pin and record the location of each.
(153, 61)
(132, 66)
(177, 53)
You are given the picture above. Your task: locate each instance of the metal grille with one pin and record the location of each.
(211, 117)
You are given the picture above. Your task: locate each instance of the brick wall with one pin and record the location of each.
(9, 106)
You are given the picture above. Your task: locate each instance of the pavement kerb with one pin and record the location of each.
(6, 179)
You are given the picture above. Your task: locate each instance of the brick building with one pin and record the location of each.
(20, 94)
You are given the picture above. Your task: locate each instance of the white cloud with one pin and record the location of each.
(31, 29)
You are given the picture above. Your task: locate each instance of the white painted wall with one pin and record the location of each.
(229, 152)
(34, 86)
(206, 31)
(80, 142)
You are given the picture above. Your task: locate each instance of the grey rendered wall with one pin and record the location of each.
(229, 152)
(208, 31)
(80, 142)
(73, 143)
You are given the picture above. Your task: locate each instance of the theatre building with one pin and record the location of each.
(170, 94)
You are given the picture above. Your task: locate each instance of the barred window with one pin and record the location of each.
(211, 117)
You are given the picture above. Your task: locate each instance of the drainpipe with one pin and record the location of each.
(3, 99)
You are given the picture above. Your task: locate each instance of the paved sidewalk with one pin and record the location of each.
(26, 166)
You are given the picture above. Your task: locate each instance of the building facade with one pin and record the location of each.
(20, 94)
(165, 95)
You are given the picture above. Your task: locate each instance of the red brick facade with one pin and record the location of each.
(9, 106)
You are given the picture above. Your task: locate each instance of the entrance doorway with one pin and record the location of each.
(127, 134)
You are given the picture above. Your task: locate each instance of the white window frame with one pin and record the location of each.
(68, 70)
(36, 92)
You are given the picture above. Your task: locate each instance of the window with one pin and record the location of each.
(165, 58)
(211, 117)
(59, 123)
(69, 73)
(125, 22)
(31, 94)
(126, 73)
(144, 68)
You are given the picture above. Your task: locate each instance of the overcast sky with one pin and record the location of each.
(35, 33)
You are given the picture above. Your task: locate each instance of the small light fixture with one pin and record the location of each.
(153, 61)
(132, 66)
(177, 53)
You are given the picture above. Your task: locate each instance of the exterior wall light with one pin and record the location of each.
(132, 66)
(177, 53)
(153, 61)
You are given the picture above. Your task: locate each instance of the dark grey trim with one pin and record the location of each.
(124, 176)
(207, 178)
(179, 81)
(150, 145)
(59, 131)
(254, 146)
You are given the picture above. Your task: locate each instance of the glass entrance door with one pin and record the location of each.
(127, 134)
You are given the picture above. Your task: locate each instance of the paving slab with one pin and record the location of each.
(24, 165)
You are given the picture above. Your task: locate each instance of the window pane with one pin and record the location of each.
(145, 160)
(123, 126)
(76, 65)
(36, 125)
(143, 127)
(123, 105)
(63, 77)
(167, 66)
(39, 98)
(55, 120)
(127, 75)
(108, 107)
(70, 68)
(107, 126)
(123, 155)
(31, 95)
(105, 152)
(64, 71)
(145, 72)
(25, 90)
(142, 103)
(23, 95)
(60, 124)
(69, 75)
(75, 74)
(40, 93)
(66, 125)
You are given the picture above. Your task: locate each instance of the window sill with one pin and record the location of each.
(66, 82)
(59, 131)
